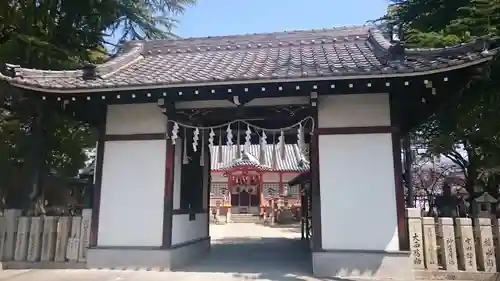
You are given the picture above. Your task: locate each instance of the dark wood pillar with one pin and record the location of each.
(303, 212)
(169, 186)
(400, 200)
(208, 171)
(398, 177)
(410, 198)
(315, 186)
(96, 192)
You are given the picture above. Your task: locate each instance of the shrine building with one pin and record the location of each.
(346, 94)
(234, 188)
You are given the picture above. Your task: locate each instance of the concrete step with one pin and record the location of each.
(245, 218)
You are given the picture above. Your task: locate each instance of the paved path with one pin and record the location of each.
(239, 252)
(256, 252)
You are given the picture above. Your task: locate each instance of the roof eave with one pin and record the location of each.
(487, 58)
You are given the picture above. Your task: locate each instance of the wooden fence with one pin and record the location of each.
(44, 239)
(454, 244)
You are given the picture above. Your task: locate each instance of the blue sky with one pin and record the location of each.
(225, 17)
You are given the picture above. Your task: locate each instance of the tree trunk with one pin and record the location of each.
(471, 172)
(36, 160)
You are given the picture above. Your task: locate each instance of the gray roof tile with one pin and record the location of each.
(328, 53)
(293, 160)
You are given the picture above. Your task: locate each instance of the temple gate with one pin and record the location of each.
(160, 105)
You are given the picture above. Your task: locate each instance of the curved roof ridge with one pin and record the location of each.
(377, 37)
(255, 41)
(350, 29)
(330, 54)
(475, 45)
(131, 51)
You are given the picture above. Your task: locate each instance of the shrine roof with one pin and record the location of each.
(325, 54)
(292, 162)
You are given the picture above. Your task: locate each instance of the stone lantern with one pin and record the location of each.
(482, 205)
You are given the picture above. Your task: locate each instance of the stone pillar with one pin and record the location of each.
(273, 212)
(228, 215)
(49, 238)
(486, 247)
(11, 221)
(448, 244)
(416, 238)
(63, 227)
(228, 211)
(496, 234)
(23, 228)
(35, 239)
(3, 229)
(84, 235)
(465, 243)
(74, 239)
(430, 244)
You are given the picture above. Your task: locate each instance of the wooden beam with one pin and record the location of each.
(215, 116)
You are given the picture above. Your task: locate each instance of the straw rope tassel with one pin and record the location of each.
(282, 145)
(300, 139)
(262, 154)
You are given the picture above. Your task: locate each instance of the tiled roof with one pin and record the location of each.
(337, 53)
(293, 160)
(246, 160)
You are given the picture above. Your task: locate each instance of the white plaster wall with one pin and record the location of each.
(358, 207)
(271, 177)
(218, 177)
(362, 110)
(177, 174)
(131, 210)
(126, 119)
(184, 230)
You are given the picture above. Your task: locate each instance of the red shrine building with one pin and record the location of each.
(346, 94)
(244, 184)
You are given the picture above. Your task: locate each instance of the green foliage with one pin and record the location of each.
(148, 18)
(467, 130)
(57, 34)
(62, 34)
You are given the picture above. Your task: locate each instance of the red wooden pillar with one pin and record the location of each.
(281, 183)
(260, 189)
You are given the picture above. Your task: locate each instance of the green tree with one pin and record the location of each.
(62, 34)
(467, 129)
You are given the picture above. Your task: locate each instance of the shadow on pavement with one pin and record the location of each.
(269, 258)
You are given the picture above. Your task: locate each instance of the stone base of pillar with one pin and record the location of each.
(228, 216)
(152, 258)
(359, 263)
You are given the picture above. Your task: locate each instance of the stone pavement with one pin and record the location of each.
(239, 252)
